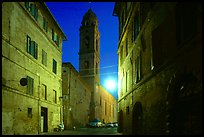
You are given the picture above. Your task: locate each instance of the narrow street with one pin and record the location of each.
(86, 131)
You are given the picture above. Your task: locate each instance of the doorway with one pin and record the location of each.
(44, 119)
(120, 121)
(137, 119)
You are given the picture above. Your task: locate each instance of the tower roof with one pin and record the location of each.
(90, 18)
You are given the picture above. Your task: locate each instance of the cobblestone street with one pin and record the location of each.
(86, 131)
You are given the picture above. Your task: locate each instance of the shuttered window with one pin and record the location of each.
(45, 24)
(32, 47)
(54, 69)
(136, 26)
(32, 8)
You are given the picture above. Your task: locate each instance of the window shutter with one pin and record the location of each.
(57, 40)
(36, 51)
(35, 12)
(32, 48)
(27, 5)
(32, 9)
(54, 66)
(53, 34)
(28, 44)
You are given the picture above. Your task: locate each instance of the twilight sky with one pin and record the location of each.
(69, 16)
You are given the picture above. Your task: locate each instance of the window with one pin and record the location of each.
(54, 69)
(30, 112)
(27, 5)
(44, 91)
(32, 47)
(55, 38)
(44, 58)
(53, 35)
(136, 27)
(30, 86)
(137, 69)
(55, 96)
(45, 24)
(32, 8)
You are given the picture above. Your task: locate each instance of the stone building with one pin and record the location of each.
(76, 93)
(160, 67)
(76, 97)
(107, 107)
(98, 103)
(31, 69)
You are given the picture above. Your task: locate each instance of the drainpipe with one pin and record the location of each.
(39, 105)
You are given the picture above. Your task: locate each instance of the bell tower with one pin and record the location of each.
(89, 57)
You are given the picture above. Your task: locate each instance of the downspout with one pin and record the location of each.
(39, 104)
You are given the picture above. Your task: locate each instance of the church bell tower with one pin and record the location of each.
(89, 57)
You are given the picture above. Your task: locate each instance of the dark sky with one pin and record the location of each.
(69, 16)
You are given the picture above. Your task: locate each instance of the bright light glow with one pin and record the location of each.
(110, 84)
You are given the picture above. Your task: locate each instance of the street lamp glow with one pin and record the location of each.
(110, 85)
